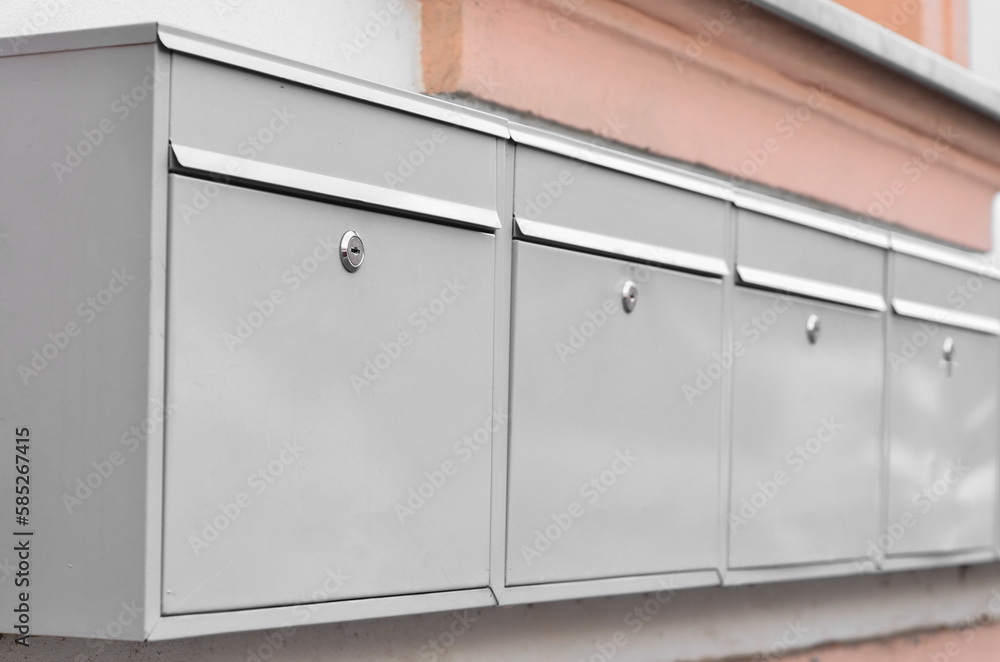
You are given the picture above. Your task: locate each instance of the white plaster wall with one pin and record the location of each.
(325, 33)
(984, 45)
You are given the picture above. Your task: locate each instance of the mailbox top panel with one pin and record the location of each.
(184, 41)
(192, 43)
(942, 284)
(775, 254)
(578, 194)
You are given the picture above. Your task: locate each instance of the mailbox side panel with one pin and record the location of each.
(79, 266)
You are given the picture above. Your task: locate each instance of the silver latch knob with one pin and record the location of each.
(352, 251)
(948, 351)
(630, 294)
(812, 329)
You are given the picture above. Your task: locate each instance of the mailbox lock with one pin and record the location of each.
(630, 294)
(948, 350)
(812, 329)
(352, 251)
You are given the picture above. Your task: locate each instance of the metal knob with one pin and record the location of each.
(352, 251)
(949, 349)
(630, 294)
(812, 329)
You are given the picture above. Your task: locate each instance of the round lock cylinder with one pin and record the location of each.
(813, 329)
(949, 349)
(630, 295)
(352, 251)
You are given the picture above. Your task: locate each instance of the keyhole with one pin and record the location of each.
(355, 250)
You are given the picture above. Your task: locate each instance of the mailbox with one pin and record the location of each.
(314, 408)
(615, 425)
(807, 392)
(942, 356)
(270, 296)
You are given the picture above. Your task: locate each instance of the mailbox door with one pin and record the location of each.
(328, 432)
(943, 441)
(806, 431)
(614, 464)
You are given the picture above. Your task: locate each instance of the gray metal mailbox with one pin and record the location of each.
(615, 442)
(807, 393)
(249, 312)
(944, 387)
(315, 409)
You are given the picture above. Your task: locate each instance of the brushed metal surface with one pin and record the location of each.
(348, 391)
(783, 247)
(806, 440)
(277, 122)
(944, 432)
(600, 418)
(579, 195)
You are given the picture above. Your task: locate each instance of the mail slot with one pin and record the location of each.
(251, 126)
(329, 415)
(943, 352)
(616, 396)
(807, 393)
